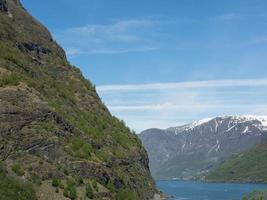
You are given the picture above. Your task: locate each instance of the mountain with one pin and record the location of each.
(57, 139)
(248, 166)
(193, 150)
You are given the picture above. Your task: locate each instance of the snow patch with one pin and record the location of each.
(216, 147)
(230, 128)
(216, 125)
(191, 126)
(231, 124)
(183, 147)
(246, 130)
(244, 118)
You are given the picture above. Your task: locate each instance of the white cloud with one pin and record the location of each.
(184, 107)
(162, 105)
(194, 84)
(73, 52)
(118, 31)
(117, 37)
(152, 33)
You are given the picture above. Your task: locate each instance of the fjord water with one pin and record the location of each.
(190, 190)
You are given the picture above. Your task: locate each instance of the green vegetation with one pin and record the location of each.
(14, 189)
(111, 186)
(249, 166)
(55, 182)
(79, 148)
(9, 79)
(192, 163)
(34, 178)
(55, 109)
(126, 194)
(256, 195)
(79, 180)
(18, 169)
(89, 191)
(94, 183)
(72, 193)
(70, 190)
(11, 55)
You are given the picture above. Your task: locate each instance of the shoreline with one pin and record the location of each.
(218, 182)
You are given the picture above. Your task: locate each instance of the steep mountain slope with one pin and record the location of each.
(192, 150)
(248, 166)
(256, 195)
(56, 136)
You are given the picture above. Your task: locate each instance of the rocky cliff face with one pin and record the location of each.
(57, 139)
(3, 6)
(192, 150)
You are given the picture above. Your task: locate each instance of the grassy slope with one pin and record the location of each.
(250, 166)
(104, 139)
(13, 188)
(256, 195)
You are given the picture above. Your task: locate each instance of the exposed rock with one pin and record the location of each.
(3, 6)
(103, 195)
(53, 123)
(34, 48)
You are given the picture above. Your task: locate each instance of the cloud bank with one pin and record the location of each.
(163, 105)
(194, 84)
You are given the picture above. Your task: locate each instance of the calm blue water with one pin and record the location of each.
(187, 190)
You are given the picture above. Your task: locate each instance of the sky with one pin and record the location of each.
(162, 63)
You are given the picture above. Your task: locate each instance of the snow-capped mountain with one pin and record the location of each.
(234, 120)
(193, 149)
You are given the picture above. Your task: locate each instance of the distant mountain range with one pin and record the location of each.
(194, 150)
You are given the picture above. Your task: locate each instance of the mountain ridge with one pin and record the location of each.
(190, 151)
(262, 119)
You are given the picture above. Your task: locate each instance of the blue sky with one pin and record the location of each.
(166, 43)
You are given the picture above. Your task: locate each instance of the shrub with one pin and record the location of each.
(111, 186)
(66, 172)
(66, 192)
(79, 149)
(14, 189)
(55, 182)
(18, 170)
(89, 191)
(72, 193)
(11, 79)
(79, 180)
(126, 194)
(34, 178)
(94, 183)
(2, 168)
(10, 54)
(70, 190)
